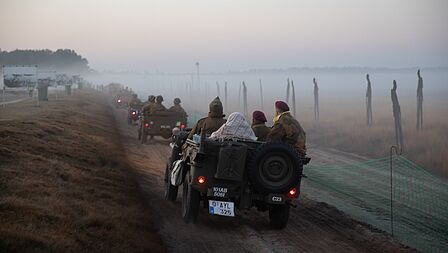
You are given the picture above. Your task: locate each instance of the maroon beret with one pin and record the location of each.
(259, 116)
(282, 106)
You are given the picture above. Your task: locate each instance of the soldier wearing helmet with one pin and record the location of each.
(211, 123)
(135, 103)
(158, 107)
(178, 108)
(147, 107)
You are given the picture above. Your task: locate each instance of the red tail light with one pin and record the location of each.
(146, 125)
(133, 113)
(182, 126)
(201, 179)
(292, 192)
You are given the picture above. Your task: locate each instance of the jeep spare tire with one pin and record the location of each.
(275, 167)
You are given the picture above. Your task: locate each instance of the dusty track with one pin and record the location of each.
(313, 227)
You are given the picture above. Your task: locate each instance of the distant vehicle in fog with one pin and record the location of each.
(19, 76)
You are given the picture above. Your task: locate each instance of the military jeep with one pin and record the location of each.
(233, 175)
(160, 124)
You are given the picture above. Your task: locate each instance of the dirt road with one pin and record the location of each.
(313, 227)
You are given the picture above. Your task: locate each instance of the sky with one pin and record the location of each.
(171, 35)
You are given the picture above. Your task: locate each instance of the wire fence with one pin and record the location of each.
(419, 214)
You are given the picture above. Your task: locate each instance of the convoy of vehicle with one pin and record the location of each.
(224, 177)
(160, 124)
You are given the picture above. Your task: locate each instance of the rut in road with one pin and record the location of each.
(313, 227)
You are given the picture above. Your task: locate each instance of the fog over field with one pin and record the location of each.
(336, 88)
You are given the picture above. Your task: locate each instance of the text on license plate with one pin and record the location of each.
(221, 208)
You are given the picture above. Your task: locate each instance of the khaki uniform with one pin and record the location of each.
(156, 107)
(261, 131)
(178, 109)
(146, 110)
(288, 129)
(211, 123)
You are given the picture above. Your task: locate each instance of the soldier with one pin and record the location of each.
(259, 126)
(134, 103)
(211, 123)
(158, 107)
(287, 129)
(178, 108)
(146, 109)
(151, 100)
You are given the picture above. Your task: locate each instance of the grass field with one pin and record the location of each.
(65, 185)
(343, 126)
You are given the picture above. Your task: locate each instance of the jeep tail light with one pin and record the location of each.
(201, 179)
(292, 192)
(146, 125)
(133, 113)
(182, 126)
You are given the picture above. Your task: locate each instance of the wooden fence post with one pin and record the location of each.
(316, 100)
(369, 101)
(419, 102)
(397, 116)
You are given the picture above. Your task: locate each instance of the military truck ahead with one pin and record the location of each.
(160, 124)
(233, 175)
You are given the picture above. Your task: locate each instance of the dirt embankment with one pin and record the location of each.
(65, 184)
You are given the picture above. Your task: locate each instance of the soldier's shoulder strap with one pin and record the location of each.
(203, 119)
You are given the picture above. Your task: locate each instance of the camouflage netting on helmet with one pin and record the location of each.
(363, 191)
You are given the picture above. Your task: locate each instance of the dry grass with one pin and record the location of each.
(64, 182)
(344, 127)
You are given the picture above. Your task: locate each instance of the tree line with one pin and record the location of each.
(61, 60)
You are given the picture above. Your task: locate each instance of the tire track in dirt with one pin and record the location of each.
(313, 227)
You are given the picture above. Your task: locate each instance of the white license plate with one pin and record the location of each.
(221, 208)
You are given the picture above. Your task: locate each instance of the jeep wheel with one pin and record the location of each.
(275, 168)
(170, 190)
(190, 201)
(278, 216)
